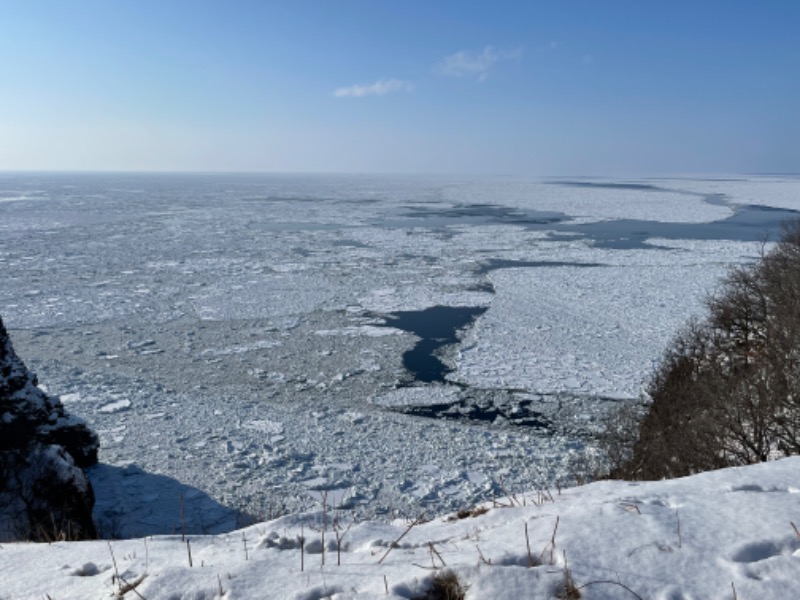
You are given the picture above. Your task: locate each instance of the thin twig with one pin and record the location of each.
(393, 545)
(433, 551)
(552, 544)
(183, 520)
(612, 582)
(796, 532)
(131, 586)
(571, 590)
(511, 497)
(302, 549)
(528, 544)
(114, 560)
(324, 521)
(483, 558)
(337, 530)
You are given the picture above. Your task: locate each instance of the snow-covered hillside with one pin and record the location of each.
(725, 534)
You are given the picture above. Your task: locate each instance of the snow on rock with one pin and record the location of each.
(720, 535)
(43, 492)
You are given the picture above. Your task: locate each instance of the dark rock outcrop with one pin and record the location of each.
(44, 494)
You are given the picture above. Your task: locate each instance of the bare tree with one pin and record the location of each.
(727, 390)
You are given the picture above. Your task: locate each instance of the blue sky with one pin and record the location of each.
(530, 88)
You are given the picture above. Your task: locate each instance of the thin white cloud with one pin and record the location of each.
(379, 88)
(470, 64)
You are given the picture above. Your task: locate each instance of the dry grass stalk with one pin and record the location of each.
(130, 586)
(393, 545)
(339, 533)
(434, 552)
(611, 582)
(302, 550)
(114, 562)
(468, 513)
(543, 496)
(445, 586)
(551, 544)
(324, 521)
(531, 561)
(183, 519)
(570, 591)
(513, 500)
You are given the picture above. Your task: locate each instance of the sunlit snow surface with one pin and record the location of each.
(234, 333)
(719, 535)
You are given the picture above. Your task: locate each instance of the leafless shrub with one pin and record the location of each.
(445, 586)
(727, 390)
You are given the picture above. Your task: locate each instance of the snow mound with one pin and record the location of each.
(712, 535)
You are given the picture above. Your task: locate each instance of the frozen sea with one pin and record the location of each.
(395, 342)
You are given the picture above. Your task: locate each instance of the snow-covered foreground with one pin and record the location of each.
(725, 534)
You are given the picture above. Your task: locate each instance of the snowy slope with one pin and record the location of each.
(723, 534)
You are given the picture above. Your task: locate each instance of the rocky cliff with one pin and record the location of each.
(44, 493)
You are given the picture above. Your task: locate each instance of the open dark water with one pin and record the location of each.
(523, 413)
(440, 326)
(749, 223)
(437, 326)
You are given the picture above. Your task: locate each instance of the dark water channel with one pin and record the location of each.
(494, 264)
(749, 223)
(521, 414)
(437, 326)
(440, 326)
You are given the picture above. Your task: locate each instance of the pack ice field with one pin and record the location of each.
(398, 344)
